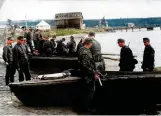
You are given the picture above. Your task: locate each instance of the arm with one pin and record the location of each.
(5, 51)
(15, 57)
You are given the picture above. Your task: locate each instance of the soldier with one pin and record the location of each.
(21, 59)
(80, 44)
(87, 67)
(37, 38)
(8, 58)
(71, 45)
(126, 57)
(96, 52)
(47, 45)
(54, 43)
(29, 39)
(148, 58)
(61, 48)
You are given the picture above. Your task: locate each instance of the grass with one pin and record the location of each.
(63, 32)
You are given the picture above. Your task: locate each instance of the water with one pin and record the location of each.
(109, 43)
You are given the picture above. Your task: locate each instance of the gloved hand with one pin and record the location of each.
(6, 63)
(97, 76)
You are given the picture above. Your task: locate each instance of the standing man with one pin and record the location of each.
(29, 39)
(149, 54)
(71, 45)
(126, 57)
(87, 67)
(8, 58)
(21, 59)
(96, 52)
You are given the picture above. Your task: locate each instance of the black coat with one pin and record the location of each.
(7, 54)
(126, 59)
(148, 58)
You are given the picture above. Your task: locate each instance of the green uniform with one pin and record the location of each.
(87, 66)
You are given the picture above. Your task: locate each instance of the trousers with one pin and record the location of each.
(24, 70)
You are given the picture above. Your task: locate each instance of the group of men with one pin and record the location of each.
(46, 45)
(16, 58)
(127, 60)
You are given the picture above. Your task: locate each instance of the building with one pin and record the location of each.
(69, 20)
(130, 24)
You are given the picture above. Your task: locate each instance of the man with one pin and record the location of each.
(47, 45)
(8, 58)
(37, 38)
(61, 48)
(149, 54)
(96, 52)
(87, 67)
(21, 59)
(80, 44)
(29, 39)
(71, 45)
(53, 40)
(126, 57)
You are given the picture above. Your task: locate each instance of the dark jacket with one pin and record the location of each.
(96, 48)
(148, 58)
(20, 55)
(86, 62)
(71, 45)
(48, 46)
(61, 48)
(126, 59)
(37, 36)
(7, 54)
(80, 44)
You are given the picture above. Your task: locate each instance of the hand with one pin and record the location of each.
(7, 63)
(97, 76)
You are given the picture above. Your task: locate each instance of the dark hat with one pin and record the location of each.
(63, 39)
(71, 37)
(20, 38)
(23, 27)
(10, 38)
(88, 40)
(91, 33)
(120, 40)
(146, 39)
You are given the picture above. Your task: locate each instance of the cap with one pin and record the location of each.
(120, 40)
(10, 38)
(146, 39)
(20, 38)
(91, 33)
(88, 40)
(45, 35)
(63, 39)
(71, 37)
(23, 27)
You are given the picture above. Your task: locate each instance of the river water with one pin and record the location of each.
(10, 105)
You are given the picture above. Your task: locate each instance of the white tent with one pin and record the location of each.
(43, 26)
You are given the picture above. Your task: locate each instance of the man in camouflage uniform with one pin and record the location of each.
(87, 67)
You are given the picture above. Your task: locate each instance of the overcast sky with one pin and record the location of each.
(91, 9)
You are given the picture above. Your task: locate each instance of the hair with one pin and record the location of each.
(9, 38)
(91, 34)
(20, 37)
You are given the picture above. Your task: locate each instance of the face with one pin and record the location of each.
(10, 41)
(146, 43)
(121, 44)
(20, 41)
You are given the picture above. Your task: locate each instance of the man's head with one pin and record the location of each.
(146, 41)
(91, 34)
(121, 42)
(45, 35)
(71, 38)
(20, 40)
(23, 28)
(88, 42)
(10, 40)
(63, 39)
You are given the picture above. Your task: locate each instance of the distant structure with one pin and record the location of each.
(69, 20)
(43, 26)
(103, 23)
(130, 24)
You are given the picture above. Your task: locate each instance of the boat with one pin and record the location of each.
(119, 90)
(150, 28)
(54, 62)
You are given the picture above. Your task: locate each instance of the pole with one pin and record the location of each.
(26, 20)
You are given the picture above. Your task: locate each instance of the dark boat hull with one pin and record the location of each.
(52, 63)
(131, 90)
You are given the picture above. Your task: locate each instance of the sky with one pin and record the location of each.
(91, 9)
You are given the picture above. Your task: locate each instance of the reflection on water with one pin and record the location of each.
(109, 43)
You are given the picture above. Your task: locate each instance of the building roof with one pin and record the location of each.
(71, 15)
(43, 23)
